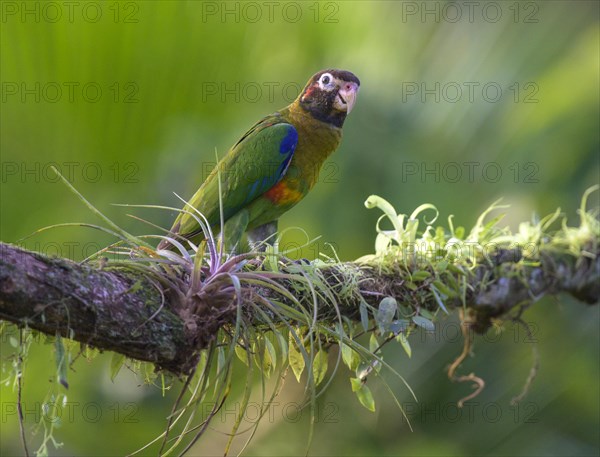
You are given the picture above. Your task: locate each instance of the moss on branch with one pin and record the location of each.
(122, 310)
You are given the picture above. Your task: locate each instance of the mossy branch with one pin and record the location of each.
(125, 311)
(190, 311)
(108, 309)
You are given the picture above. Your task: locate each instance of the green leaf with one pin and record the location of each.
(456, 270)
(366, 398)
(373, 343)
(377, 202)
(491, 224)
(295, 357)
(356, 384)
(438, 299)
(272, 354)
(263, 355)
(203, 360)
(364, 315)
(242, 353)
(220, 359)
(386, 312)
(363, 370)
(424, 207)
(283, 346)
(363, 393)
(452, 283)
(320, 366)
(220, 373)
(150, 373)
(401, 338)
(443, 288)
(62, 362)
(349, 356)
(426, 314)
(271, 259)
(135, 287)
(424, 323)
(90, 353)
(420, 275)
(116, 363)
(405, 310)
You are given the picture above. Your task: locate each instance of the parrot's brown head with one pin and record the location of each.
(330, 95)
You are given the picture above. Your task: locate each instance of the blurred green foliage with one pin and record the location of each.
(461, 103)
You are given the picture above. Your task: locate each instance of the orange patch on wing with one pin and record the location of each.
(281, 194)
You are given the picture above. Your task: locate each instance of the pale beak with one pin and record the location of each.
(346, 97)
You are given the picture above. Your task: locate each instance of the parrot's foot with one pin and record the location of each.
(233, 230)
(262, 236)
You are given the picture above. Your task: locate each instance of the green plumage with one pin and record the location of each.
(246, 172)
(274, 165)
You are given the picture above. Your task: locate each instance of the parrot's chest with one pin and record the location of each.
(292, 188)
(316, 142)
(314, 147)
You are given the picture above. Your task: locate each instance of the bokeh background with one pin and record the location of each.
(461, 103)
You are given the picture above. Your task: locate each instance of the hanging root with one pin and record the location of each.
(534, 367)
(465, 325)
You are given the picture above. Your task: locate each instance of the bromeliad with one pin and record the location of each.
(274, 165)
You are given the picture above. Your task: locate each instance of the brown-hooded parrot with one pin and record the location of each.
(273, 165)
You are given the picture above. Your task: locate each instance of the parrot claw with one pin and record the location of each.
(262, 236)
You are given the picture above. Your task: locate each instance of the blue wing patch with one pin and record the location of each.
(289, 142)
(287, 146)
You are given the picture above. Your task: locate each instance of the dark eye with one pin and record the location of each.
(325, 79)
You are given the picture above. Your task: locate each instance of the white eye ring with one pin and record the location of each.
(325, 80)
